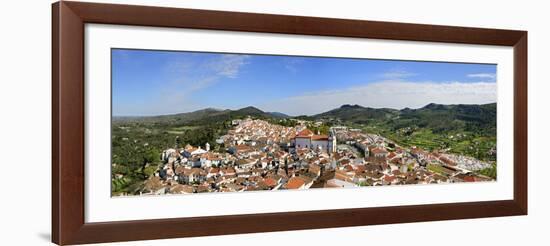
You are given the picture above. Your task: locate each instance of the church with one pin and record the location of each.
(307, 139)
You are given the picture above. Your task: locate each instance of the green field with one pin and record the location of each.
(464, 143)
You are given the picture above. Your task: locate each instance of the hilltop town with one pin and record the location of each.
(259, 155)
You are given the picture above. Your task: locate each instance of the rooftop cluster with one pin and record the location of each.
(258, 155)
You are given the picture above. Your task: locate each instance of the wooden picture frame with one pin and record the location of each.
(68, 123)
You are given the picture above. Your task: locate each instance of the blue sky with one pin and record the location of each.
(162, 82)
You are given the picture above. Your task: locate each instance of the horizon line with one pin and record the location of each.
(257, 107)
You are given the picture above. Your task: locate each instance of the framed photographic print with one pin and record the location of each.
(174, 122)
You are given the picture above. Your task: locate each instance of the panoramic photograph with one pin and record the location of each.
(198, 122)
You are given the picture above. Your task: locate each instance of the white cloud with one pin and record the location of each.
(194, 73)
(483, 75)
(189, 76)
(397, 75)
(193, 76)
(228, 65)
(387, 94)
(292, 63)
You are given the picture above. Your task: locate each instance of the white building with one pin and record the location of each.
(190, 151)
(168, 153)
(306, 139)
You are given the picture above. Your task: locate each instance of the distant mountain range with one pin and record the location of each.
(437, 117)
(356, 113)
(210, 114)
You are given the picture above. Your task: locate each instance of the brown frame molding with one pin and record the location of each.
(68, 19)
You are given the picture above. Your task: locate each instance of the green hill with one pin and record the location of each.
(436, 117)
(196, 117)
(358, 114)
(464, 129)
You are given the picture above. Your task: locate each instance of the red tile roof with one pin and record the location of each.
(319, 137)
(396, 172)
(379, 151)
(270, 182)
(243, 147)
(306, 133)
(447, 161)
(469, 179)
(389, 179)
(348, 168)
(294, 183)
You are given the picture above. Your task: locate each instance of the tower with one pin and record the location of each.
(177, 145)
(331, 142)
(207, 146)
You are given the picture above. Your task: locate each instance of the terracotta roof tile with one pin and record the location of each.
(294, 183)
